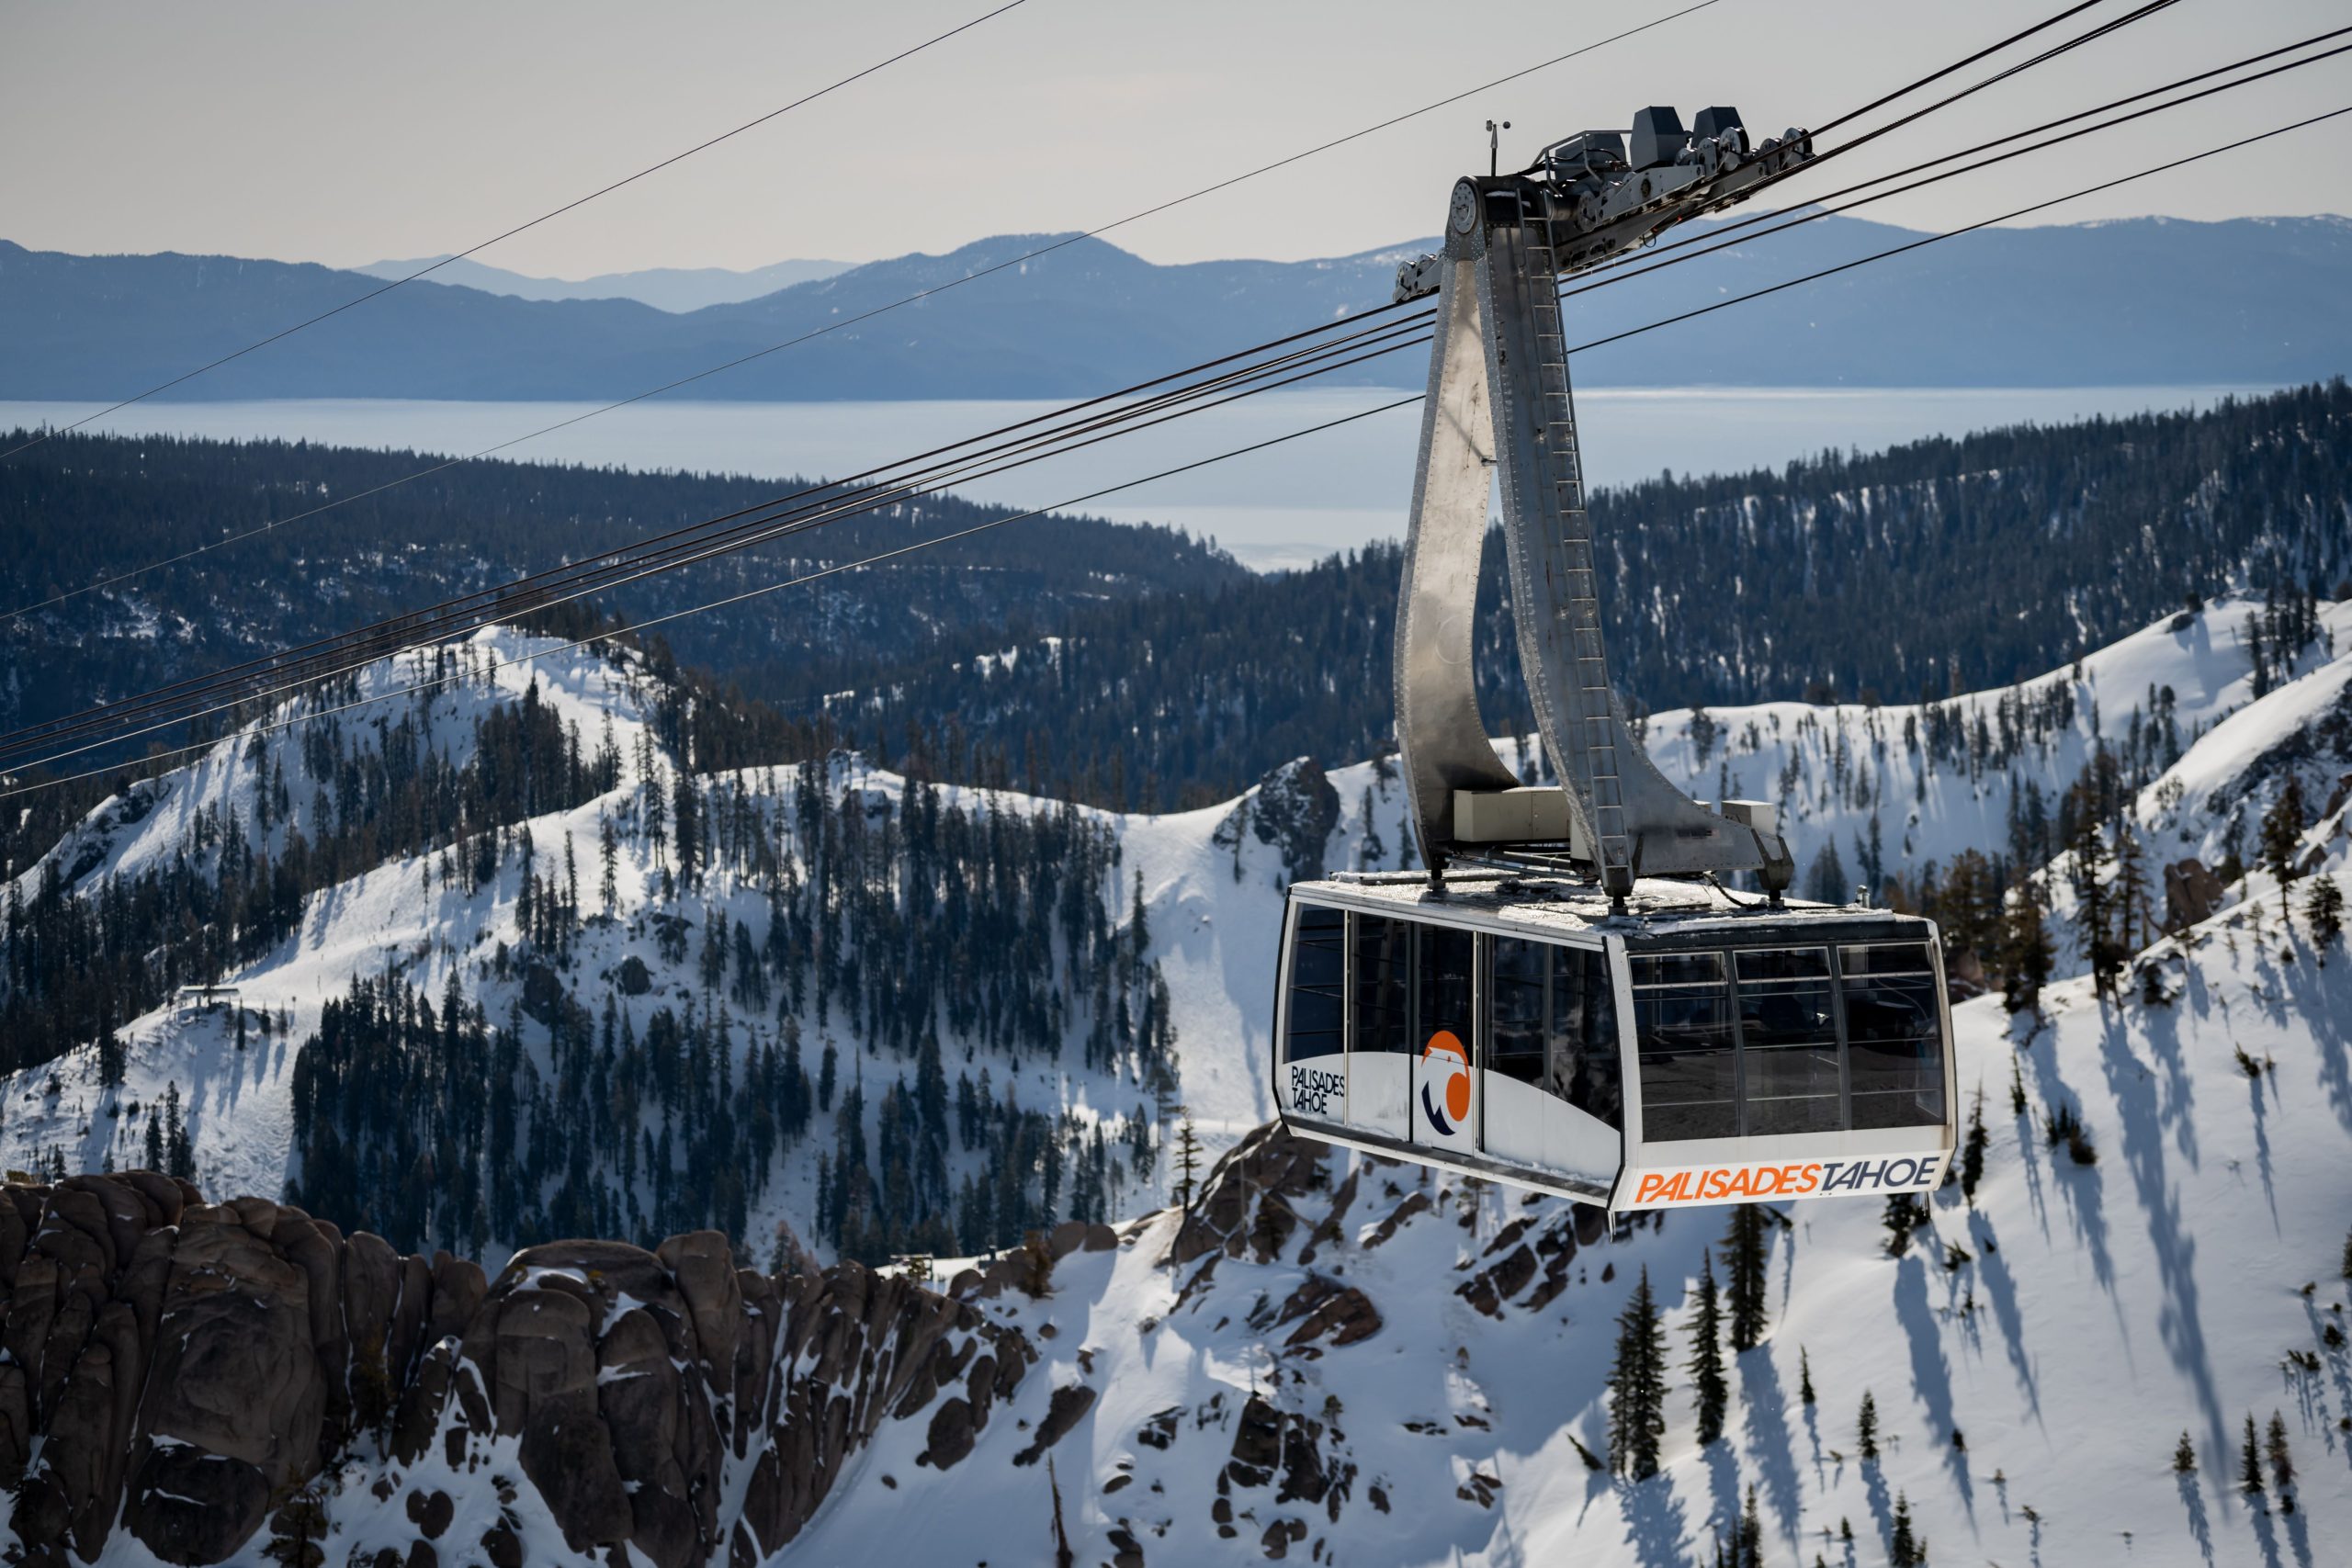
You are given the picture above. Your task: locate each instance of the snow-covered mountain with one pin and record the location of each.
(1363, 1363)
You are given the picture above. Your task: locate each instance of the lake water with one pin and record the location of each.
(1283, 506)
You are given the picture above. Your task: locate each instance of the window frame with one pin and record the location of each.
(1835, 943)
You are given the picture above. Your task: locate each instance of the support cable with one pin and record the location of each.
(994, 523)
(829, 327)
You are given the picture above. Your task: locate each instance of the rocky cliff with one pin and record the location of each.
(194, 1373)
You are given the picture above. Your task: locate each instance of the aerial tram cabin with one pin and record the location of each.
(1571, 999)
(1689, 1051)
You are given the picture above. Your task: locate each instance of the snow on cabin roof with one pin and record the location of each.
(1564, 906)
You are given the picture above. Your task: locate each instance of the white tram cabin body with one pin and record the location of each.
(1690, 1051)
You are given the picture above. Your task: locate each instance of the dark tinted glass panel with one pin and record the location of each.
(1679, 969)
(1522, 982)
(1554, 1024)
(1783, 963)
(1884, 958)
(1792, 1088)
(1383, 965)
(1792, 1014)
(1593, 1075)
(1446, 955)
(1895, 1050)
(1688, 1094)
(1318, 954)
(1684, 1033)
(1686, 1018)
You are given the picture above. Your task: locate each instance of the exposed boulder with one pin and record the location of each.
(1295, 809)
(189, 1369)
(2191, 894)
(1246, 1202)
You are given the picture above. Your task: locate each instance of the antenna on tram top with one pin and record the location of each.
(1495, 146)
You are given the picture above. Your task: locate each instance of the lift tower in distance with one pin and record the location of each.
(1499, 399)
(1570, 1000)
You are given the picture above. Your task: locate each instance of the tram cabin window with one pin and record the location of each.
(1444, 958)
(1770, 1042)
(1317, 1023)
(1788, 1042)
(1893, 1034)
(1554, 1024)
(1382, 985)
(1683, 1033)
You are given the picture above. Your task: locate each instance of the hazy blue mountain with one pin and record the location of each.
(672, 289)
(2256, 301)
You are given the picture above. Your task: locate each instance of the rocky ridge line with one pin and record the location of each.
(192, 1371)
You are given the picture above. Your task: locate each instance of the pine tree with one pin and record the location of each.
(1972, 1152)
(1750, 1551)
(1904, 1213)
(1804, 1376)
(2324, 911)
(2017, 1086)
(2282, 835)
(1706, 1363)
(2095, 913)
(1187, 1161)
(1904, 1550)
(2132, 913)
(1866, 1427)
(1826, 883)
(1745, 1261)
(1637, 1386)
(2184, 1456)
(2250, 1462)
(2282, 1463)
(2026, 952)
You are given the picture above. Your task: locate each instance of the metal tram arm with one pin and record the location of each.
(1499, 397)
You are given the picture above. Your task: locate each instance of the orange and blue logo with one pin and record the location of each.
(1445, 1061)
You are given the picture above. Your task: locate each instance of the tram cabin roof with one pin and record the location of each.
(1660, 910)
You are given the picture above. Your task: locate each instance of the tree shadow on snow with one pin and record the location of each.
(2266, 1532)
(1881, 1505)
(2180, 1316)
(1722, 1491)
(1766, 1418)
(1654, 1525)
(1930, 1376)
(2001, 1289)
(2082, 1187)
(2192, 1498)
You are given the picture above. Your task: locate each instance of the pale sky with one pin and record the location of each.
(347, 133)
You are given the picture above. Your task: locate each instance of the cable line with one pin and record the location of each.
(829, 327)
(629, 563)
(1953, 233)
(398, 634)
(1956, 65)
(1721, 239)
(522, 589)
(518, 228)
(294, 720)
(1688, 315)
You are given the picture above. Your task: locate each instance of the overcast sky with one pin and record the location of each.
(347, 133)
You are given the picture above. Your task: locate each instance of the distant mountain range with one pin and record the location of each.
(672, 289)
(2256, 301)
